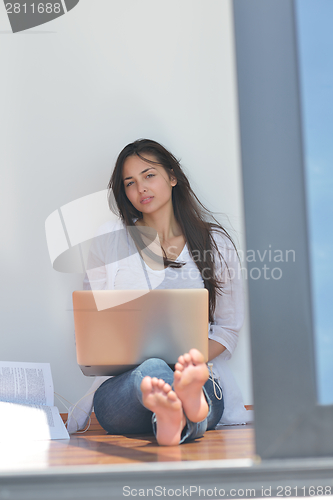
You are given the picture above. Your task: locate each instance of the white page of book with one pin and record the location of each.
(27, 383)
(26, 455)
(22, 422)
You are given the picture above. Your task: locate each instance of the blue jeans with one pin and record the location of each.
(119, 409)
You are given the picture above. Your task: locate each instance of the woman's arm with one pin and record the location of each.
(214, 349)
(103, 255)
(229, 311)
(96, 276)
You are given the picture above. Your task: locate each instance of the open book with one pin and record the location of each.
(27, 411)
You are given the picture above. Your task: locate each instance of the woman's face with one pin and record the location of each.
(147, 186)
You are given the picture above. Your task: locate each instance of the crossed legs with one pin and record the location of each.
(133, 402)
(187, 398)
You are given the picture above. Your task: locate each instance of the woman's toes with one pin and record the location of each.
(160, 383)
(179, 367)
(166, 388)
(172, 396)
(146, 384)
(181, 360)
(196, 356)
(154, 382)
(187, 358)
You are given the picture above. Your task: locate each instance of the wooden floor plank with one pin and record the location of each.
(95, 447)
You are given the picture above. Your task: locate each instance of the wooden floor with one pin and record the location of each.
(95, 447)
(97, 465)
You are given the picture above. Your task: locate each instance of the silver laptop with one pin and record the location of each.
(158, 324)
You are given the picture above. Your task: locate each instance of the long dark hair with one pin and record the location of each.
(189, 212)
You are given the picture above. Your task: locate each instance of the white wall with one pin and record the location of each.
(73, 93)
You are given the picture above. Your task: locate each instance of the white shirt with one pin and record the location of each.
(114, 264)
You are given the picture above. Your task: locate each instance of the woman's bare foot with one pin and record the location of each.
(158, 397)
(190, 375)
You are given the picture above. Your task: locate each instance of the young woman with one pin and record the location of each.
(152, 193)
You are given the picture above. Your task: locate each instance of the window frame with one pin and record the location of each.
(288, 420)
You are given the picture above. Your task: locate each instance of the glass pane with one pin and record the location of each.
(315, 41)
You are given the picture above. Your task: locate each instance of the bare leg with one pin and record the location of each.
(158, 397)
(190, 375)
